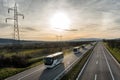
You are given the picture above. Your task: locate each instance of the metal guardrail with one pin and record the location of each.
(84, 66)
(70, 67)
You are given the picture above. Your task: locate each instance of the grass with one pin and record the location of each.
(35, 61)
(72, 74)
(115, 52)
(6, 72)
(24, 52)
(9, 71)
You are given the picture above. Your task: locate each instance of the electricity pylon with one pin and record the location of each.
(59, 38)
(16, 34)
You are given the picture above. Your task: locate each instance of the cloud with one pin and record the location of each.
(67, 29)
(87, 16)
(71, 29)
(116, 28)
(117, 21)
(4, 25)
(28, 29)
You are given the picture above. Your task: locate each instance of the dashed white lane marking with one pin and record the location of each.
(95, 77)
(28, 74)
(96, 62)
(109, 67)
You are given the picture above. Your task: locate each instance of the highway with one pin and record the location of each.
(101, 66)
(41, 73)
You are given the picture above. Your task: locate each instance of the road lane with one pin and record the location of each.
(101, 66)
(50, 74)
(115, 67)
(41, 73)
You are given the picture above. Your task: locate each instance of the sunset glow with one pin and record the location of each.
(60, 21)
(44, 19)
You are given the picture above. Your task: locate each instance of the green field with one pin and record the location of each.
(72, 74)
(28, 56)
(35, 59)
(115, 52)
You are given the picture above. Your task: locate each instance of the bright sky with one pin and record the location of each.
(46, 19)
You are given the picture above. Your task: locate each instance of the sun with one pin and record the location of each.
(60, 20)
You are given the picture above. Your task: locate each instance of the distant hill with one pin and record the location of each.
(87, 39)
(114, 39)
(9, 41)
(3, 40)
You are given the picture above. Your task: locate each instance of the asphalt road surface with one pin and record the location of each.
(41, 73)
(101, 66)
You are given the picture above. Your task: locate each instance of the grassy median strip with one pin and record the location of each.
(6, 72)
(35, 58)
(73, 73)
(9, 71)
(115, 52)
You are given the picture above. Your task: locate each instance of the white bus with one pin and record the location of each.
(54, 59)
(76, 50)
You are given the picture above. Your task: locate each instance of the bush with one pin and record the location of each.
(13, 61)
(19, 61)
(5, 72)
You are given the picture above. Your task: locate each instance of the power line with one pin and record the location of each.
(59, 37)
(16, 34)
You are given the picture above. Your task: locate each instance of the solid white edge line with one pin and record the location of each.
(66, 69)
(97, 62)
(109, 67)
(40, 69)
(95, 77)
(56, 78)
(84, 66)
(112, 57)
(28, 74)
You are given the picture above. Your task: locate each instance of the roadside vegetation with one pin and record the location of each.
(114, 48)
(73, 73)
(29, 55)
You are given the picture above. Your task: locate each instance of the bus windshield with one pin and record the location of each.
(48, 61)
(75, 50)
